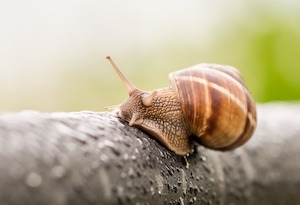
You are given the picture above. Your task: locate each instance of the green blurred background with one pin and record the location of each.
(52, 53)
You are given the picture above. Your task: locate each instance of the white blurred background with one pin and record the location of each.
(52, 53)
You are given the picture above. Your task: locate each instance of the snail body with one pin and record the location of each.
(206, 103)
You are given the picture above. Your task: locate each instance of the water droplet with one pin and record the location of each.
(146, 142)
(160, 185)
(196, 189)
(138, 173)
(139, 141)
(175, 188)
(115, 151)
(127, 141)
(58, 171)
(103, 157)
(161, 153)
(109, 144)
(179, 182)
(120, 191)
(151, 181)
(203, 158)
(191, 187)
(192, 175)
(180, 202)
(131, 172)
(184, 181)
(152, 190)
(82, 138)
(34, 180)
(169, 170)
(125, 156)
(136, 150)
(123, 175)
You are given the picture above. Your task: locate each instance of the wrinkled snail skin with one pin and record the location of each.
(206, 103)
(163, 119)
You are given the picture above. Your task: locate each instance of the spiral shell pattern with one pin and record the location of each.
(217, 107)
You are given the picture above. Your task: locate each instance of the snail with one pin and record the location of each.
(206, 103)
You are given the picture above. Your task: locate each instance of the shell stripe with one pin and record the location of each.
(195, 102)
(208, 110)
(249, 120)
(218, 88)
(248, 129)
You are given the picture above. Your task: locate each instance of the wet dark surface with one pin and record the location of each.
(94, 158)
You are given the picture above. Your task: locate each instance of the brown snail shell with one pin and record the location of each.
(216, 105)
(207, 103)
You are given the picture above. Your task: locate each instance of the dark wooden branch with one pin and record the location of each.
(94, 158)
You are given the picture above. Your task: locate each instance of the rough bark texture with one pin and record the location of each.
(94, 158)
